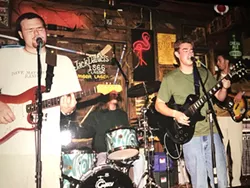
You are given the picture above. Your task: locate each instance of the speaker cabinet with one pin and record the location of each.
(246, 154)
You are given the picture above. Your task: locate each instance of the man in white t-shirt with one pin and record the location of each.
(18, 79)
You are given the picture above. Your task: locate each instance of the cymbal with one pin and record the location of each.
(143, 89)
(78, 144)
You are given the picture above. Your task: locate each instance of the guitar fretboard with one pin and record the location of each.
(56, 101)
(199, 103)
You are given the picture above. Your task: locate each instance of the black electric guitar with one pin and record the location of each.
(179, 133)
(237, 110)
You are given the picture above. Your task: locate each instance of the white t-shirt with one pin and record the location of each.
(18, 74)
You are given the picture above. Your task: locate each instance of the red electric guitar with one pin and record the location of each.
(25, 107)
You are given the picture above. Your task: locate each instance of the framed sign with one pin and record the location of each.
(165, 47)
(196, 33)
(4, 13)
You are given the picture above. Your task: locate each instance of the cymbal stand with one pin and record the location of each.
(148, 151)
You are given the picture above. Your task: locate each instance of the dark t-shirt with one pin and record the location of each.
(98, 123)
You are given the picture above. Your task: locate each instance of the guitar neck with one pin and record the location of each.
(200, 102)
(56, 101)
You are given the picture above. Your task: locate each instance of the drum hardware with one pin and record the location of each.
(124, 165)
(142, 89)
(73, 182)
(148, 150)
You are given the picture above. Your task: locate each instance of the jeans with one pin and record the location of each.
(198, 160)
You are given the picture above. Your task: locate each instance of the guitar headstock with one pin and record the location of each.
(107, 88)
(238, 70)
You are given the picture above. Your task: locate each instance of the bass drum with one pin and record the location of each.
(105, 176)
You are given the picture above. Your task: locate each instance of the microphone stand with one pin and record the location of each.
(38, 129)
(122, 72)
(212, 117)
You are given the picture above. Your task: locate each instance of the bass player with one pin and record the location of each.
(231, 130)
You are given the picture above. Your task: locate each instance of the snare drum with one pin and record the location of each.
(75, 163)
(105, 176)
(122, 143)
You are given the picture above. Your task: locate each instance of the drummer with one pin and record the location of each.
(106, 115)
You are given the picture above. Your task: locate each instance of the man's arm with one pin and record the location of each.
(222, 93)
(162, 108)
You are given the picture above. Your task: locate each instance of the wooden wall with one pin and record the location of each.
(91, 30)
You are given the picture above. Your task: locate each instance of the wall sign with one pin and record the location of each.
(235, 46)
(4, 14)
(143, 57)
(165, 47)
(93, 67)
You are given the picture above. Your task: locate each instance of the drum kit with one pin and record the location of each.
(79, 169)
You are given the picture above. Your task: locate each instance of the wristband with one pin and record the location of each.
(69, 113)
(174, 113)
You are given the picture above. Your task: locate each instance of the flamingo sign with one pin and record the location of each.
(143, 58)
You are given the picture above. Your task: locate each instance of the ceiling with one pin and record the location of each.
(200, 10)
(156, 3)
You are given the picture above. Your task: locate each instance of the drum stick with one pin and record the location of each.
(87, 114)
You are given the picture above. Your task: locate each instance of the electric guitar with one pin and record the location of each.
(236, 110)
(179, 133)
(26, 108)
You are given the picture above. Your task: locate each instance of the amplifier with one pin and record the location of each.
(246, 154)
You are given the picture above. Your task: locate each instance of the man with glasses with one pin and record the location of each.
(18, 79)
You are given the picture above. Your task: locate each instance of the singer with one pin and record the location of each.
(18, 79)
(179, 84)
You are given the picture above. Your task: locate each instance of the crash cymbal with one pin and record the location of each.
(143, 89)
(78, 144)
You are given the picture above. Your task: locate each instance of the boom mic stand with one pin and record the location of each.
(148, 146)
(38, 129)
(122, 72)
(212, 116)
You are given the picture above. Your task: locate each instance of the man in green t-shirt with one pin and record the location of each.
(179, 84)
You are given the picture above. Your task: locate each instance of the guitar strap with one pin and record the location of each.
(51, 57)
(196, 82)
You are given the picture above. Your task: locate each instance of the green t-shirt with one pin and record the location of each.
(180, 85)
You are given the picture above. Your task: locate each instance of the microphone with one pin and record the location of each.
(39, 41)
(193, 59)
(196, 60)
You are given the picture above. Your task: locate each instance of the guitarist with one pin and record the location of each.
(18, 73)
(179, 83)
(231, 130)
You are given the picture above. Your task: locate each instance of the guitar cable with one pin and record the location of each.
(165, 146)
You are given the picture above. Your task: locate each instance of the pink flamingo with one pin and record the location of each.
(142, 45)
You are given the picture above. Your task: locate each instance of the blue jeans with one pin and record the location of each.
(198, 160)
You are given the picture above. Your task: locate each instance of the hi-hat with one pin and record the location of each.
(145, 88)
